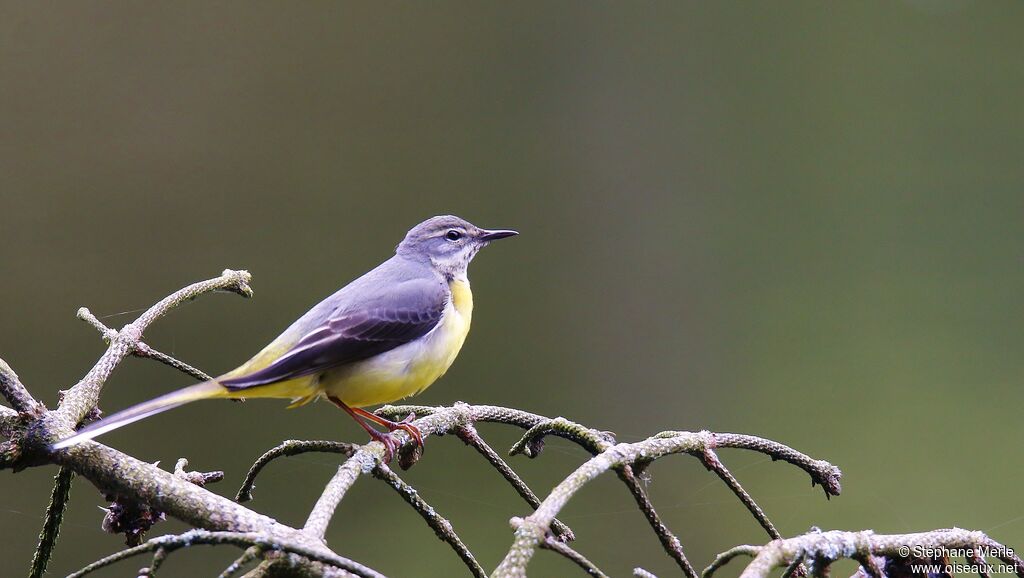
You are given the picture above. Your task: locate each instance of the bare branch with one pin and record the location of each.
(52, 521)
(180, 494)
(669, 541)
(531, 530)
(15, 392)
(289, 448)
(141, 348)
(83, 396)
(320, 516)
(711, 461)
(641, 573)
(532, 441)
(872, 550)
(822, 473)
(158, 559)
(469, 435)
(170, 543)
(8, 418)
(550, 543)
(727, 556)
(442, 527)
(434, 421)
(198, 478)
(251, 554)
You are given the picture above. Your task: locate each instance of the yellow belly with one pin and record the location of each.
(407, 369)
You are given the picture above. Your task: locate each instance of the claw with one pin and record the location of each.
(406, 426)
(388, 440)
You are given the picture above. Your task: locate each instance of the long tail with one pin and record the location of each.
(205, 390)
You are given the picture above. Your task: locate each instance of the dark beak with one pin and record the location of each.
(497, 234)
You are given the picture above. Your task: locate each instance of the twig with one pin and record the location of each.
(158, 559)
(141, 348)
(320, 516)
(550, 543)
(198, 478)
(469, 435)
(822, 473)
(727, 556)
(669, 541)
(532, 441)
(8, 419)
(796, 568)
(442, 527)
(872, 565)
(641, 573)
(434, 421)
(711, 461)
(431, 421)
(825, 548)
(171, 543)
(251, 553)
(533, 528)
(83, 396)
(110, 469)
(52, 521)
(15, 392)
(122, 475)
(984, 570)
(288, 448)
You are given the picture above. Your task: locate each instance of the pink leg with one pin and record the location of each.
(385, 438)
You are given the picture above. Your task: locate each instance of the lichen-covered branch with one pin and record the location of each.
(83, 396)
(879, 554)
(668, 540)
(141, 348)
(363, 461)
(251, 554)
(16, 393)
(8, 420)
(114, 473)
(531, 531)
(469, 435)
(441, 526)
(567, 552)
(725, 557)
(434, 421)
(51, 522)
(822, 473)
(289, 448)
(711, 461)
(171, 543)
(532, 441)
(31, 429)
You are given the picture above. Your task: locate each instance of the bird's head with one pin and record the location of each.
(448, 242)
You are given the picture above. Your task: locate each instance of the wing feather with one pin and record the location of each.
(357, 330)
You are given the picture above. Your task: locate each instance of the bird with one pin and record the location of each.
(387, 335)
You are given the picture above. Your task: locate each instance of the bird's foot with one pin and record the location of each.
(388, 438)
(406, 426)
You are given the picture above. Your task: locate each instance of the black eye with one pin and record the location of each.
(453, 235)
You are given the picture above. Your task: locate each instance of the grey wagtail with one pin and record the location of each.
(387, 335)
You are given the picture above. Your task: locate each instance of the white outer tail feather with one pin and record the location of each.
(141, 411)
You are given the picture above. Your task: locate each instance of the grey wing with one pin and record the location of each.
(406, 311)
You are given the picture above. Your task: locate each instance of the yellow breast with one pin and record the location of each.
(408, 369)
(462, 299)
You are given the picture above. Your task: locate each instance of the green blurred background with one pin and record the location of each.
(800, 220)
